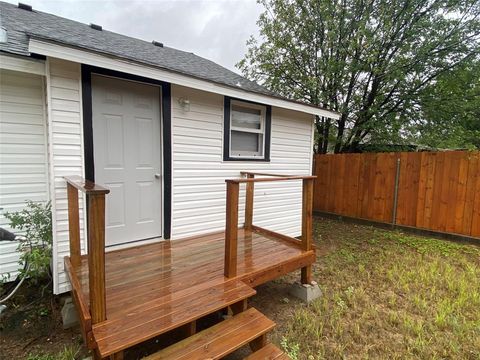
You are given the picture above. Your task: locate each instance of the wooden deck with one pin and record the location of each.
(128, 296)
(151, 289)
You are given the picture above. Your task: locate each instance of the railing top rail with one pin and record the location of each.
(86, 186)
(244, 173)
(282, 178)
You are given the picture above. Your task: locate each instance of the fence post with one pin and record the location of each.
(395, 194)
(231, 229)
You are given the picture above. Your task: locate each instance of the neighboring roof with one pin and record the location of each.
(21, 24)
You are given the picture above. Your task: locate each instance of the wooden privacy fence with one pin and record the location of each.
(437, 191)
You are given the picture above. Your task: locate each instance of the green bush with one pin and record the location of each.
(35, 245)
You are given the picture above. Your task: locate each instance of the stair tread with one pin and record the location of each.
(220, 339)
(268, 352)
(157, 317)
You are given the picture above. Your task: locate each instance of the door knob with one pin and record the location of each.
(157, 176)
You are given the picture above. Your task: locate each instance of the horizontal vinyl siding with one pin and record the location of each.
(23, 159)
(199, 172)
(66, 154)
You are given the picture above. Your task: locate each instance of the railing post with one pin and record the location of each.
(307, 220)
(96, 256)
(249, 203)
(231, 229)
(73, 225)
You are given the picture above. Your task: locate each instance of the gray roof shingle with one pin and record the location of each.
(21, 23)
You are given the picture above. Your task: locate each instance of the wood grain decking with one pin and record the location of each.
(151, 289)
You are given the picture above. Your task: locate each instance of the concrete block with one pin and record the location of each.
(306, 292)
(69, 314)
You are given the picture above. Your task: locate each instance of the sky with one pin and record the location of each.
(214, 29)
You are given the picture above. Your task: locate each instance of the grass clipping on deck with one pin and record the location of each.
(389, 295)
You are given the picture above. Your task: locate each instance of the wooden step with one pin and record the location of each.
(268, 352)
(220, 339)
(156, 317)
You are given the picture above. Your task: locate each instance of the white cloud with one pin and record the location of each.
(214, 29)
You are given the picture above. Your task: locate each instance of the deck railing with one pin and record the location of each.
(231, 224)
(95, 240)
(95, 196)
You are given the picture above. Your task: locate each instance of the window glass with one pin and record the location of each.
(246, 143)
(245, 117)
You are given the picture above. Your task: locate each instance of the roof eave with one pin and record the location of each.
(52, 48)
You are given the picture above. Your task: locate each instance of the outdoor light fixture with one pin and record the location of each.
(184, 104)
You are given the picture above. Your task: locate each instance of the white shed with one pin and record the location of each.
(161, 128)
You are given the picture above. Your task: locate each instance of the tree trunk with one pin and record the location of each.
(340, 132)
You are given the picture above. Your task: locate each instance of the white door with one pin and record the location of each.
(127, 157)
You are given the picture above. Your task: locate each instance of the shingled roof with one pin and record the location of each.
(21, 24)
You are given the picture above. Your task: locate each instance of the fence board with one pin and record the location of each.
(475, 230)
(461, 193)
(429, 188)
(422, 190)
(437, 191)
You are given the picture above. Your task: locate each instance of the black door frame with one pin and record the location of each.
(166, 108)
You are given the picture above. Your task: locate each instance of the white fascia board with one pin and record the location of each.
(23, 64)
(94, 59)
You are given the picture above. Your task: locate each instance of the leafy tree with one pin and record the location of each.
(367, 59)
(449, 114)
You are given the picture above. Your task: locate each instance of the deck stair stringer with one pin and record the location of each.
(268, 352)
(247, 327)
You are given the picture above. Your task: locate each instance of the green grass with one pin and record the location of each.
(388, 295)
(69, 353)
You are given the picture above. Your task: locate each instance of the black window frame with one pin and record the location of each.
(227, 101)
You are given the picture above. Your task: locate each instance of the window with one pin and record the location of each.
(247, 131)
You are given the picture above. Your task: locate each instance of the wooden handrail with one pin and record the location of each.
(231, 225)
(267, 179)
(96, 239)
(85, 186)
(246, 173)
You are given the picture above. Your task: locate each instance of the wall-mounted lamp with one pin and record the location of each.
(184, 104)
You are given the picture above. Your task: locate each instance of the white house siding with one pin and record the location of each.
(23, 152)
(65, 133)
(199, 172)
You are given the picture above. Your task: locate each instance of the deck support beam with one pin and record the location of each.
(96, 239)
(249, 192)
(258, 343)
(307, 227)
(189, 329)
(116, 356)
(96, 256)
(239, 307)
(231, 230)
(73, 225)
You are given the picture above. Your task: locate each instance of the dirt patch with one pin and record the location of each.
(32, 325)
